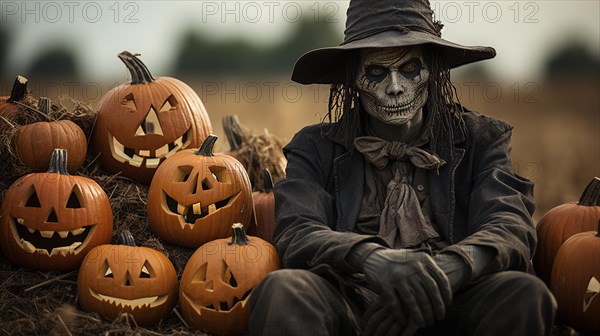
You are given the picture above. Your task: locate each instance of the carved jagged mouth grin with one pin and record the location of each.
(49, 242)
(223, 306)
(191, 213)
(147, 158)
(144, 302)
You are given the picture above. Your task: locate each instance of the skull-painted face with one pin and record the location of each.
(392, 83)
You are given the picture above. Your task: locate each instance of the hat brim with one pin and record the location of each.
(325, 66)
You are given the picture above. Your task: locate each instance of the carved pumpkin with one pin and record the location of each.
(8, 103)
(562, 222)
(142, 123)
(218, 279)
(576, 281)
(196, 195)
(126, 278)
(36, 142)
(51, 220)
(264, 208)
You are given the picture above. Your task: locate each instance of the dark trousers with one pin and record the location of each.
(299, 302)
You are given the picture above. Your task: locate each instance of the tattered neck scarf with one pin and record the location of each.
(401, 223)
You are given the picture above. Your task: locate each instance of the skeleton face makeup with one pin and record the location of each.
(392, 83)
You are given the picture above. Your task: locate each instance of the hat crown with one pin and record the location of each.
(367, 17)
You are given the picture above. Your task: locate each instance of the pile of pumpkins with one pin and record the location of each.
(568, 258)
(155, 131)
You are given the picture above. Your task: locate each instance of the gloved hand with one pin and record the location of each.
(415, 290)
(378, 320)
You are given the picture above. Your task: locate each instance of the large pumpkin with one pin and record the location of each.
(562, 222)
(142, 123)
(576, 281)
(196, 195)
(126, 278)
(35, 142)
(264, 208)
(219, 278)
(9, 104)
(51, 220)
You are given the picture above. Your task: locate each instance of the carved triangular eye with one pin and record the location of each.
(200, 275)
(220, 174)
(227, 276)
(593, 290)
(52, 218)
(106, 270)
(73, 201)
(129, 103)
(169, 104)
(150, 125)
(33, 201)
(145, 272)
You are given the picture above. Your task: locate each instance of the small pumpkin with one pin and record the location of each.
(264, 208)
(563, 221)
(126, 278)
(196, 195)
(36, 142)
(9, 104)
(576, 281)
(49, 221)
(142, 123)
(219, 278)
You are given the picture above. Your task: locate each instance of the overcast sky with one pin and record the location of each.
(523, 32)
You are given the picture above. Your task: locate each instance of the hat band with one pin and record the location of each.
(402, 29)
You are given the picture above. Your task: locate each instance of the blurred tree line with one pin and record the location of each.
(201, 56)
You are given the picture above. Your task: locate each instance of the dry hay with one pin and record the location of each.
(45, 303)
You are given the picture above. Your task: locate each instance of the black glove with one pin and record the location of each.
(415, 290)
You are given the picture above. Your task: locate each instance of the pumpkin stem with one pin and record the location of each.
(58, 162)
(207, 146)
(239, 235)
(44, 105)
(268, 179)
(138, 70)
(19, 90)
(234, 132)
(591, 194)
(127, 238)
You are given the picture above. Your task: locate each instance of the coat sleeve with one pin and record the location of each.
(305, 210)
(500, 206)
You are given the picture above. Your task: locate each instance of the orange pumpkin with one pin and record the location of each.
(126, 278)
(196, 195)
(51, 220)
(36, 142)
(264, 208)
(219, 278)
(576, 281)
(8, 104)
(562, 222)
(142, 123)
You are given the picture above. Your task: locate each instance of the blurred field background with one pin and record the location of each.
(238, 57)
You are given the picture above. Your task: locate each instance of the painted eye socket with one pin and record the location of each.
(411, 66)
(376, 70)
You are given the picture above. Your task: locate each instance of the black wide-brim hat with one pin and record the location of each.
(383, 24)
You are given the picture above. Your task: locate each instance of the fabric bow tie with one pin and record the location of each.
(378, 152)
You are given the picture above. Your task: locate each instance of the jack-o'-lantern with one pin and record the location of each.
(8, 104)
(140, 281)
(51, 220)
(142, 123)
(35, 142)
(219, 278)
(576, 281)
(196, 195)
(562, 222)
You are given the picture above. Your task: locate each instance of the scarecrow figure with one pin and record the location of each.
(402, 215)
